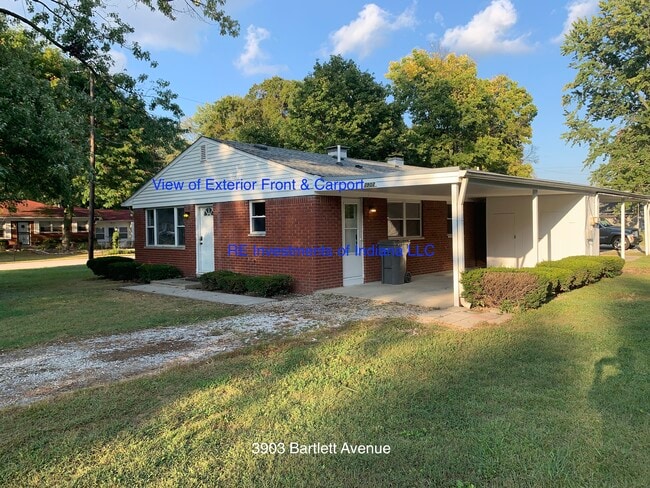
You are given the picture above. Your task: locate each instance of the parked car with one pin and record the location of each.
(611, 234)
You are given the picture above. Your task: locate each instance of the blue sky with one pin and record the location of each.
(518, 38)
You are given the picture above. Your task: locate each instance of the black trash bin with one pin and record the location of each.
(393, 261)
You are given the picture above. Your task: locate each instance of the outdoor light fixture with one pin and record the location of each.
(186, 215)
(372, 210)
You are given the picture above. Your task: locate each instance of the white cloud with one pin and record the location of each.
(487, 32)
(439, 19)
(369, 30)
(251, 61)
(577, 10)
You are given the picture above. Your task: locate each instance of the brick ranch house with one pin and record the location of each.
(31, 222)
(248, 207)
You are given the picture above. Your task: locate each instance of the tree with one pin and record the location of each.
(607, 105)
(88, 29)
(259, 117)
(339, 104)
(41, 120)
(458, 119)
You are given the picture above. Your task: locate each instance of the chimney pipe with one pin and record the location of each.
(339, 152)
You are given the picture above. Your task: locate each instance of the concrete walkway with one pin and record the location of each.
(454, 316)
(430, 290)
(181, 289)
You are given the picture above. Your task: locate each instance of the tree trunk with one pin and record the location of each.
(66, 239)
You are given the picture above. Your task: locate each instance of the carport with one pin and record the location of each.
(527, 220)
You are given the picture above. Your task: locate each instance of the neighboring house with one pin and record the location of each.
(263, 210)
(32, 222)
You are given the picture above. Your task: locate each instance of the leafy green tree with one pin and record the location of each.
(88, 29)
(458, 119)
(259, 117)
(607, 105)
(41, 120)
(340, 104)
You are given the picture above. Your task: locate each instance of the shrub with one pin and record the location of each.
(4, 244)
(230, 282)
(524, 288)
(587, 269)
(99, 265)
(268, 286)
(123, 270)
(507, 289)
(150, 272)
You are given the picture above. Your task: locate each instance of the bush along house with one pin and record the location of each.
(256, 209)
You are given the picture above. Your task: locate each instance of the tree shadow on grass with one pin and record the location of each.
(495, 406)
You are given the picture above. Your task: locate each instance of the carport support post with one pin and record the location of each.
(458, 236)
(622, 240)
(646, 227)
(535, 227)
(596, 227)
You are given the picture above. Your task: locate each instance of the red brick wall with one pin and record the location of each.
(183, 258)
(297, 221)
(305, 222)
(434, 231)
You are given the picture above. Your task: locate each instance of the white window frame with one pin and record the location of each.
(404, 219)
(177, 224)
(251, 217)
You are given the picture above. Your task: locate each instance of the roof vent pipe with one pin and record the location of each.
(339, 152)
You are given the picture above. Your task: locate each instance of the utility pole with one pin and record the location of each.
(91, 180)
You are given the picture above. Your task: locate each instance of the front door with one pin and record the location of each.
(352, 240)
(205, 240)
(23, 233)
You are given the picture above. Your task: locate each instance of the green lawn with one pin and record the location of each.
(65, 303)
(557, 397)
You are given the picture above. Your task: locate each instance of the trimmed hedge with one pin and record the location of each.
(151, 272)
(231, 282)
(123, 271)
(126, 269)
(524, 288)
(99, 266)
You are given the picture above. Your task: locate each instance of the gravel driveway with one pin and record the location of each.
(29, 375)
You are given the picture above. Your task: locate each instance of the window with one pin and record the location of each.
(165, 227)
(123, 231)
(449, 227)
(50, 226)
(404, 219)
(100, 234)
(82, 226)
(258, 218)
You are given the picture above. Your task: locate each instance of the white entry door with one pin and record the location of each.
(352, 239)
(204, 240)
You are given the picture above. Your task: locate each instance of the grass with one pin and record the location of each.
(64, 303)
(556, 397)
